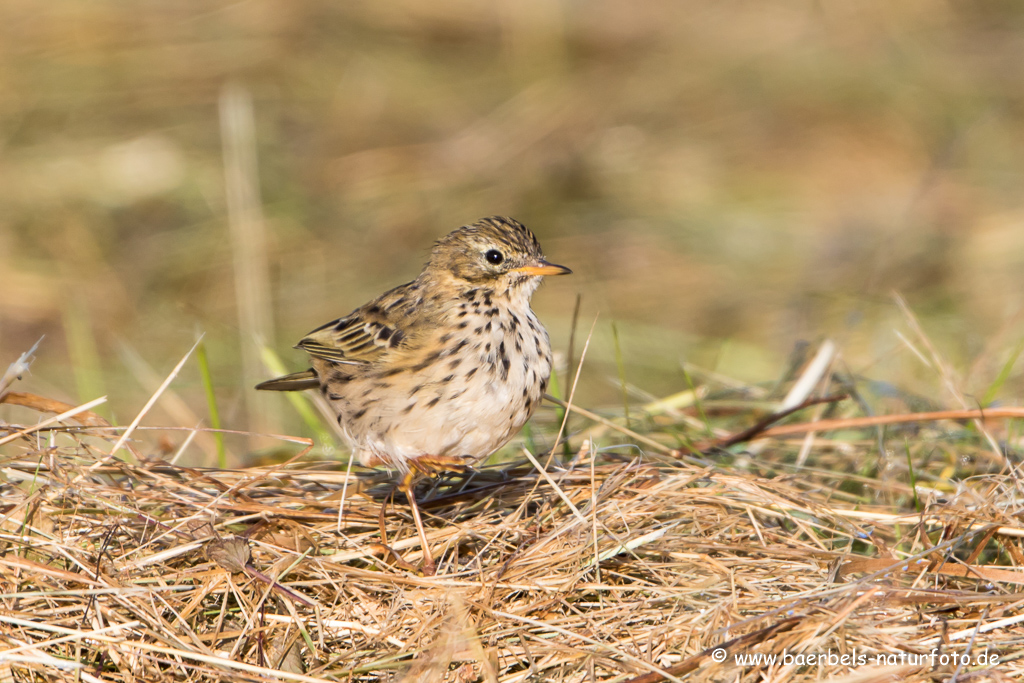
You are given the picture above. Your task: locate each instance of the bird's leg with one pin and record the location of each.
(406, 487)
(431, 466)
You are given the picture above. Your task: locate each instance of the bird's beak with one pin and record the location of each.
(542, 267)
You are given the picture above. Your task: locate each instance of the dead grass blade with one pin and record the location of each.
(876, 420)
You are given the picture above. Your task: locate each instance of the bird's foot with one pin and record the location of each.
(433, 465)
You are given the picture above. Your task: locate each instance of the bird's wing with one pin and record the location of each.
(364, 335)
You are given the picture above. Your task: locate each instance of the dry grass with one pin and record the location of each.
(617, 566)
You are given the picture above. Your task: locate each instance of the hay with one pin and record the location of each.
(635, 569)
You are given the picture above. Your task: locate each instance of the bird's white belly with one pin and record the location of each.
(471, 410)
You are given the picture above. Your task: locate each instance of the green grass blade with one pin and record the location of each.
(1004, 374)
(555, 390)
(913, 475)
(211, 403)
(698, 404)
(85, 358)
(622, 371)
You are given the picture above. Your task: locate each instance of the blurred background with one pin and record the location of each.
(726, 180)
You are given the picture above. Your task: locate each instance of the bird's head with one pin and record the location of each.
(496, 252)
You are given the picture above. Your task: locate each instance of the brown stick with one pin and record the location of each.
(761, 427)
(876, 420)
(42, 404)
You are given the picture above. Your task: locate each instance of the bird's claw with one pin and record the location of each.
(433, 465)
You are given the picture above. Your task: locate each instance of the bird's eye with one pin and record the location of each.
(494, 256)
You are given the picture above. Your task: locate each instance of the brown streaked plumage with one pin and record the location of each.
(443, 369)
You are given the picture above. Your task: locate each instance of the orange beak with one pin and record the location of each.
(542, 267)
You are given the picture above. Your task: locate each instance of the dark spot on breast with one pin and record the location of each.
(408, 408)
(456, 395)
(445, 337)
(544, 384)
(392, 372)
(358, 414)
(505, 363)
(487, 327)
(462, 314)
(470, 294)
(471, 372)
(427, 362)
(515, 321)
(373, 309)
(487, 347)
(455, 363)
(464, 324)
(415, 389)
(433, 401)
(333, 396)
(449, 378)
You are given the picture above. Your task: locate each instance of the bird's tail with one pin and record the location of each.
(297, 381)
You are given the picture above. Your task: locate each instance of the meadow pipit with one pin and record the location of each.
(444, 369)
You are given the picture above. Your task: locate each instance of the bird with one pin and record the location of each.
(442, 371)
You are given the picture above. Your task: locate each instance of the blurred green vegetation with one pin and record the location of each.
(725, 179)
